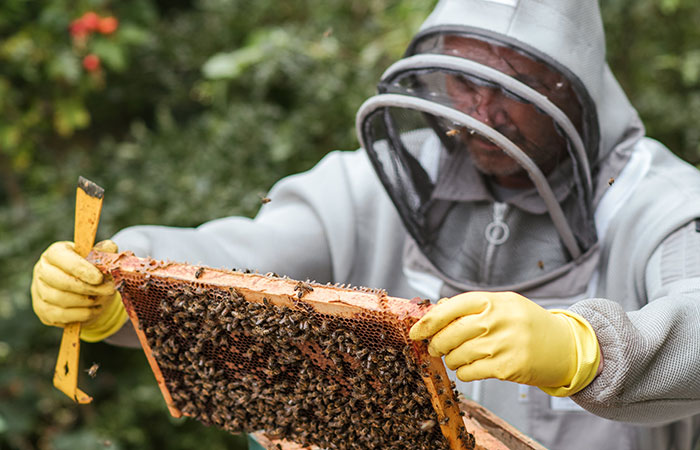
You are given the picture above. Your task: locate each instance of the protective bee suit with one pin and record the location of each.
(607, 227)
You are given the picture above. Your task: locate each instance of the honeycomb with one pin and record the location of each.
(319, 365)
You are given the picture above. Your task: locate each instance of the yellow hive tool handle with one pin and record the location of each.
(88, 205)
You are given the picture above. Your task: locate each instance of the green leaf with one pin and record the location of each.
(69, 115)
(690, 68)
(132, 35)
(231, 65)
(18, 48)
(65, 66)
(9, 137)
(669, 6)
(111, 54)
(85, 439)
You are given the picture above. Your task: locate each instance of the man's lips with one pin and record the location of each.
(483, 144)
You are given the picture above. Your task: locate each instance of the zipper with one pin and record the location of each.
(497, 232)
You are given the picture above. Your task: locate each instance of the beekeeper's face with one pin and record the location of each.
(519, 121)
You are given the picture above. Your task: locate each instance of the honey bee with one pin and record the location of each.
(540, 264)
(424, 302)
(611, 181)
(219, 308)
(92, 371)
(427, 425)
(302, 288)
(199, 272)
(387, 427)
(265, 200)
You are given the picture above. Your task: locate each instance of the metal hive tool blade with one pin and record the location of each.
(314, 364)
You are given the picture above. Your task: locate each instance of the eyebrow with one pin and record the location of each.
(532, 81)
(524, 77)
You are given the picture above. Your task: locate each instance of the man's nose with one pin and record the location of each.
(483, 104)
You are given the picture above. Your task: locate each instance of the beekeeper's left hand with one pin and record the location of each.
(506, 336)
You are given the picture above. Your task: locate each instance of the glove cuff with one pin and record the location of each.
(587, 355)
(109, 322)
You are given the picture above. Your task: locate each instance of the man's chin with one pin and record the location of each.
(501, 172)
(510, 177)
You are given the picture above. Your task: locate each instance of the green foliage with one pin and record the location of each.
(199, 106)
(45, 93)
(175, 138)
(654, 50)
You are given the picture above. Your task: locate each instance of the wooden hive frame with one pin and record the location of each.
(335, 301)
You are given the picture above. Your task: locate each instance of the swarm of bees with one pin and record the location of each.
(309, 378)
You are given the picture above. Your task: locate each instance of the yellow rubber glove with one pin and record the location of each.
(66, 288)
(506, 336)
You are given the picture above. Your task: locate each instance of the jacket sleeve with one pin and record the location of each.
(306, 231)
(651, 369)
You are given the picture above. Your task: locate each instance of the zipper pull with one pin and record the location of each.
(497, 232)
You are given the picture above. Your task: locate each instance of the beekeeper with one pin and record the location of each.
(505, 172)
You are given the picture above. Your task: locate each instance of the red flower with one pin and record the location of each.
(91, 21)
(91, 62)
(108, 25)
(77, 29)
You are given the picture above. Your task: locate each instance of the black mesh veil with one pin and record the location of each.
(443, 128)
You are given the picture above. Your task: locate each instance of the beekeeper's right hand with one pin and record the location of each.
(66, 288)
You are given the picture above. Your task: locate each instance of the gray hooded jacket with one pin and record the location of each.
(639, 286)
